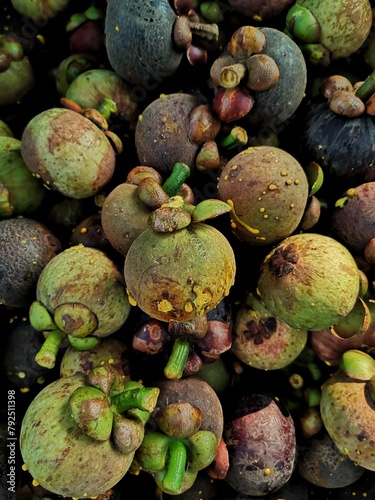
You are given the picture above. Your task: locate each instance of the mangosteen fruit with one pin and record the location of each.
(180, 267)
(260, 77)
(90, 426)
(335, 30)
(258, 9)
(26, 247)
(263, 341)
(68, 152)
(267, 190)
(347, 407)
(90, 88)
(309, 281)
(353, 219)
(260, 436)
(321, 463)
(338, 130)
(139, 41)
(40, 12)
(164, 134)
(188, 423)
(80, 296)
(21, 192)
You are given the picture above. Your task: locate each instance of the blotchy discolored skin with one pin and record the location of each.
(268, 191)
(181, 275)
(69, 152)
(86, 275)
(344, 24)
(162, 133)
(59, 456)
(348, 414)
(309, 280)
(261, 443)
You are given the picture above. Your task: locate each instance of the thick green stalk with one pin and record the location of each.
(367, 88)
(176, 466)
(179, 174)
(46, 355)
(177, 359)
(142, 398)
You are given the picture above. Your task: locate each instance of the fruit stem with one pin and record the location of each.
(107, 107)
(236, 137)
(176, 465)
(367, 88)
(179, 174)
(83, 344)
(143, 398)
(46, 356)
(177, 360)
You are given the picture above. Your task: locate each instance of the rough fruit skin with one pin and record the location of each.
(26, 247)
(268, 191)
(58, 454)
(262, 447)
(309, 281)
(348, 414)
(69, 152)
(344, 24)
(180, 275)
(86, 275)
(139, 42)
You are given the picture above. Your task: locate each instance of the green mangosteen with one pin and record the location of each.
(267, 190)
(40, 12)
(180, 267)
(68, 151)
(127, 208)
(310, 281)
(21, 193)
(79, 434)
(329, 31)
(81, 296)
(16, 72)
(347, 407)
(262, 341)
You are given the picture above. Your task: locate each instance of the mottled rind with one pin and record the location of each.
(348, 411)
(180, 275)
(344, 25)
(58, 455)
(86, 275)
(69, 152)
(309, 281)
(268, 191)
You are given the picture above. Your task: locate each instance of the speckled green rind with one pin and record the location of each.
(318, 283)
(344, 24)
(181, 275)
(282, 346)
(16, 82)
(26, 193)
(348, 414)
(124, 216)
(86, 275)
(40, 11)
(58, 455)
(69, 152)
(268, 189)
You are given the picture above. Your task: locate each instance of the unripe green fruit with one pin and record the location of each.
(309, 281)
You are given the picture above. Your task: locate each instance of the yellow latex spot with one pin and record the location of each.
(296, 182)
(41, 380)
(140, 118)
(83, 230)
(117, 29)
(288, 182)
(132, 300)
(165, 306)
(188, 307)
(24, 390)
(283, 173)
(35, 482)
(346, 451)
(272, 187)
(267, 471)
(240, 222)
(24, 467)
(21, 374)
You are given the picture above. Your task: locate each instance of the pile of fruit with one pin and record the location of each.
(187, 249)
